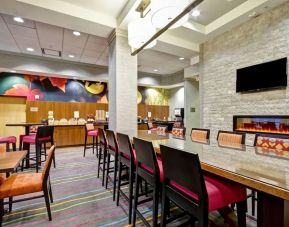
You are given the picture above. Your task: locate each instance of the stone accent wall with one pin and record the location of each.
(259, 40)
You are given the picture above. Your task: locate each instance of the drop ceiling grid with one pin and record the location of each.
(7, 43)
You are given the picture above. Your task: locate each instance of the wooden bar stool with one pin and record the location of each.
(102, 154)
(112, 151)
(8, 140)
(91, 132)
(43, 135)
(197, 195)
(127, 159)
(149, 169)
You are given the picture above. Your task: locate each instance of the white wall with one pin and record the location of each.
(176, 99)
(262, 39)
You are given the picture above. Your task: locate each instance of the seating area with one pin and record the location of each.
(144, 113)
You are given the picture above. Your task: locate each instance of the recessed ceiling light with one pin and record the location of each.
(12, 71)
(18, 19)
(253, 14)
(156, 70)
(71, 56)
(181, 58)
(196, 13)
(76, 33)
(75, 78)
(29, 49)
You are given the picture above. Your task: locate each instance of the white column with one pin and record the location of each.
(192, 98)
(122, 85)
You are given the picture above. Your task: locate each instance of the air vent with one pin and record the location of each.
(48, 52)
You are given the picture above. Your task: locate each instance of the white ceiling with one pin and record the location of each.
(16, 37)
(95, 19)
(213, 9)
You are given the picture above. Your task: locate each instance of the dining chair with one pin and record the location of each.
(28, 183)
(151, 126)
(231, 139)
(91, 132)
(43, 135)
(197, 194)
(200, 134)
(112, 151)
(178, 132)
(8, 140)
(127, 160)
(149, 169)
(102, 154)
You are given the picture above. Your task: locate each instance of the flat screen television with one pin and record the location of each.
(269, 75)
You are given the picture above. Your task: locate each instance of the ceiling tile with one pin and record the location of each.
(7, 42)
(50, 37)
(27, 23)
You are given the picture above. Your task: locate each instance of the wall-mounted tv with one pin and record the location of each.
(269, 75)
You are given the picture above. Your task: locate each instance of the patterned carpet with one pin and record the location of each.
(79, 198)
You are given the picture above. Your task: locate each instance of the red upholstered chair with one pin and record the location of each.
(43, 135)
(8, 140)
(127, 160)
(32, 131)
(149, 169)
(187, 187)
(151, 126)
(91, 132)
(28, 183)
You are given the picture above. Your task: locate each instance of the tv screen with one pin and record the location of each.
(267, 75)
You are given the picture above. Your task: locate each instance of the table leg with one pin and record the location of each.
(271, 211)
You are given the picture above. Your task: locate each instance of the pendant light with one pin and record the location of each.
(164, 11)
(140, 31)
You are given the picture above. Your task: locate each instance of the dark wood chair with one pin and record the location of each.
(102, 154)
(196, 194)
(127, 159)
(149, 169)
(43, 136)
(91, 132)
(200, 134)
(27, 183)
(112, 150)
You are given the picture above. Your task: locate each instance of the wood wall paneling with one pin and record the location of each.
(157, 111)
(12, 109)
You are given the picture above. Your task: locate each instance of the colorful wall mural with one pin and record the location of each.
(153, 96)
(52, 88)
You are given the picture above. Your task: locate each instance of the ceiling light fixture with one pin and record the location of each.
(196, 13)
(164, 11)
(12, 71)
(18, 19)
(76, 33)
(139, 32)
(156, 70)
(253, 14)
(181, 58)
(71, 56)
(30, 49)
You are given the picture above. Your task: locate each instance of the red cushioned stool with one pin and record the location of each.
(149, 169)
(127, 160)
(91, 132)
(43, 135)
(8, 140)
(185, 186)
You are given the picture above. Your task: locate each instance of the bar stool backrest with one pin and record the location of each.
(45, 132)
(124, 146)
(227, 137)
(89, 127)
(146, 156)
(102, 137)
(200, 134)
(272, 141)
(184, 169)
(111, 141)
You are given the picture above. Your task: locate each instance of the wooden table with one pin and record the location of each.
(9, 161)
(26, 125)
(249, 166)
